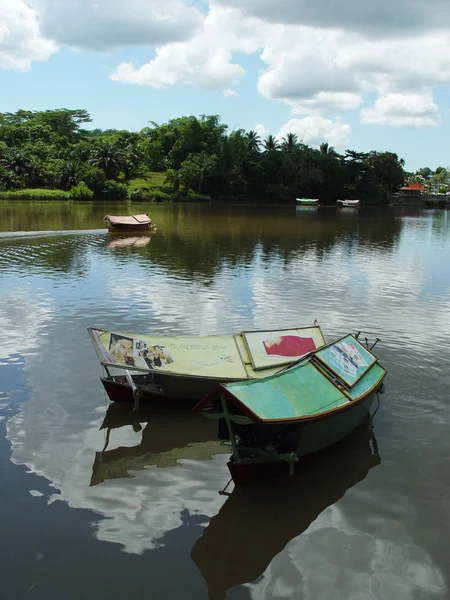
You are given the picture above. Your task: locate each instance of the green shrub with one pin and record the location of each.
(81, 192)
(93, 177)
(35, 194)
(113, 190)
(140, 194)
(196, 197)
(160, 196)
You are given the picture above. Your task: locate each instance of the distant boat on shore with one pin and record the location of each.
(348, 203)
(307, 201)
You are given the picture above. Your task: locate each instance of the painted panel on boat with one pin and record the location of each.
(211, 356)
(251, 373)
(297, 392)
(367, 382)
(276, 348)
(347, 358)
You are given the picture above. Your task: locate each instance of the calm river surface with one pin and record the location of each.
(143, 518)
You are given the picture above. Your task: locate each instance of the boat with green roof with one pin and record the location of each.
(275, 421)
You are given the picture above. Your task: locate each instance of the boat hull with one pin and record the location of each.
(348, 203)
(129, 228)
(306, 439)
(307, 201)
(163, 387)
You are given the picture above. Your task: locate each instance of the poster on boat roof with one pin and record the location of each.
(281, 347)
(210, 356)
(347, 359)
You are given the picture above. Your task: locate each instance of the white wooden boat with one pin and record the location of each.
(307, 201)
(348, 203)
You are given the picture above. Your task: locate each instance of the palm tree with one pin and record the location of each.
(254, 141)
(326, 149)
(108, 156)
(270, 144)
(289, 142)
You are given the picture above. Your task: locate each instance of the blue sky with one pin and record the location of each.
(373, 77)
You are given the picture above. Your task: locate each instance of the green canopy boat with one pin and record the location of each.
(274, 421)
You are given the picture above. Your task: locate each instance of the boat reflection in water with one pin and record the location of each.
(128, 241)
(305, 210)
(256, 523)
(168, 435)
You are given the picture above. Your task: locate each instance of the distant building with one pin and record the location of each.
(412, 188)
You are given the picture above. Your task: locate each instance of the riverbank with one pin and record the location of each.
(148, 187)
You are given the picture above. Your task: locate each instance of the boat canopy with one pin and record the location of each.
(243, 355)
(301, 391)
(128, 220)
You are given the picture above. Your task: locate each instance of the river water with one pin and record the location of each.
(96, 503)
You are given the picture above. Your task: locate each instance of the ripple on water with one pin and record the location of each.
(380, 534)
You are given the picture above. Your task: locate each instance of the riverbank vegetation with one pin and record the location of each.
(49, 154)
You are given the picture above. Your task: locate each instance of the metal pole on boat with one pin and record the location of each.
(229, 427)
(375, 343)
(134, 389)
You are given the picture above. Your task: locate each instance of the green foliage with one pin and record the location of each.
(160, 196)
(196, 197)
(93, 177)
(113, 190)
(81, 192)
(35, 194)
(50, 149)
(387, 169)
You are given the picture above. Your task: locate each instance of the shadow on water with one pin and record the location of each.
(256, 523)
(170, 434)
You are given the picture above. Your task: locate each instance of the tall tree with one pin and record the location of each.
(271, 144)
(289, 142)
(325, 148)
(254, 141)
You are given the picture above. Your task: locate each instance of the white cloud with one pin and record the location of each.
(260, 129)
(320, 60)
(314, 130)
(326, 102)
(403, 110)
(384, 18)
(204, 61)
(174, 65)
(314, 67)
(21, 41)
(229, 93)
(109, 24)
(327, 71)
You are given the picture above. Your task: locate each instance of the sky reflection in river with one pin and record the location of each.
(348, 529)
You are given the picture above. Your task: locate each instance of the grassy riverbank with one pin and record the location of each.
(148, 187)
(35, 194)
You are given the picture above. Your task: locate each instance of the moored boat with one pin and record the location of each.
(348, 203)
(274, 422)
(131, 224)
(151, 367)
(307, 201)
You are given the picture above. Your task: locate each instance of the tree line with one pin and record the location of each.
(186, 158)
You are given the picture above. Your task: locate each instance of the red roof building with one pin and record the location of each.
(412, 187)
